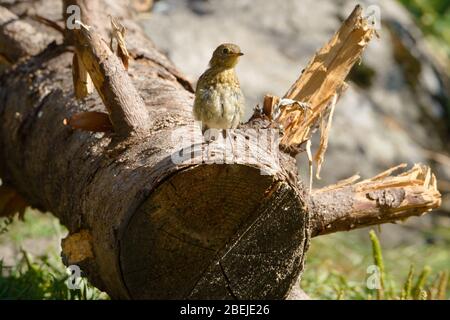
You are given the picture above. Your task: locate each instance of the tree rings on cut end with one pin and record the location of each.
(214, 232)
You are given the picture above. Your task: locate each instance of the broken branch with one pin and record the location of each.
(324, 77)
(319, 86)
(381, 199)
(125, 106)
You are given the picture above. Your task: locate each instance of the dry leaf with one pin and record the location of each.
(90, 121)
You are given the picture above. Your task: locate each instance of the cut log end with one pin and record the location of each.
(210, 233)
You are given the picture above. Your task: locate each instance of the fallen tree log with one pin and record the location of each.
(153, 211)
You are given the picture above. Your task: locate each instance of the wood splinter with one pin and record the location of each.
(319, 86)
(126, 109)
(118, 33)
(381, 199)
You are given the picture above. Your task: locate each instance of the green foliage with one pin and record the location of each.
(421, 282)
(433, 16)
(406, 292)
(378, 260)
(422, 290)
(35, 225)
(334, 260)
(336, 267)
(41, 279)
(42, 275)
(5, 223)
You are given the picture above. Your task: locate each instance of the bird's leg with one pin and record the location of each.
(205, 131)
(210, 135)
(226, 133)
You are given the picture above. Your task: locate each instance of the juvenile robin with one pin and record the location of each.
(219, 102)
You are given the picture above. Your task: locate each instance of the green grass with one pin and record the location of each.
(336, 265)
(42, 279)
(433, 17)
(36, 225)
(41, 275)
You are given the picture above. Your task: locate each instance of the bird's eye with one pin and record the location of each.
(226, 51)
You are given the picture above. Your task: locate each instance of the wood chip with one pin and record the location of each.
(324, 134)
(118, 33)
(82, 82)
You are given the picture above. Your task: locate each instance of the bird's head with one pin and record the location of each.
(226, 56)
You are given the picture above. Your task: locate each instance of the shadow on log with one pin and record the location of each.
(152, 210)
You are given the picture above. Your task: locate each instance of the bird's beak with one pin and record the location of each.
(240, 54)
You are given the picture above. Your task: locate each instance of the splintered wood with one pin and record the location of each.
(82, 82)
(84, 86)
(419, 186)
(380, 199)
(126, 109)
(118, 33)
(321, 84)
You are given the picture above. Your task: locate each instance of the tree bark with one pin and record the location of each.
(156, 215)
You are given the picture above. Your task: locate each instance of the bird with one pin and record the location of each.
(219, 102)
